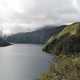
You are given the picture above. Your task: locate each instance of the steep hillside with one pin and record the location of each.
(66, 49)
(66, 40)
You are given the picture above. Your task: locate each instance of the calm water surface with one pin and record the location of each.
(22, 62)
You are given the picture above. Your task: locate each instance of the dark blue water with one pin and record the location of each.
(22, 62)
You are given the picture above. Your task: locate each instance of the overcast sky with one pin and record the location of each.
(27, 15)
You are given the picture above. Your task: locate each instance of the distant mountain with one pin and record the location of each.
(39, 36)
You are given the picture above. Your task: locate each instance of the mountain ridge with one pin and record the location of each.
(39, 36)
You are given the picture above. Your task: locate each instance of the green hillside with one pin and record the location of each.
(65, 47)
(66, 37)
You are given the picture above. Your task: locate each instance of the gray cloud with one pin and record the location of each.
(49, 10)
(38, 13)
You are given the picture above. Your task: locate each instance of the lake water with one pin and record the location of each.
(22, 62)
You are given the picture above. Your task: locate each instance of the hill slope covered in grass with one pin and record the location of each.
(68, 37)
(65, 46)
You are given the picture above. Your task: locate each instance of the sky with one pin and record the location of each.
(28, 15)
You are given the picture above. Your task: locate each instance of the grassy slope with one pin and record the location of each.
(68, 31)
(65, 67)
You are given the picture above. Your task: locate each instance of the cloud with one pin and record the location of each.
(37, 13)
(48, 12)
